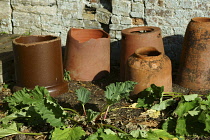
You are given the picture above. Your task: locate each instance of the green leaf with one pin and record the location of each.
(91, 115)
(38, 104)
(193, 113)
(190, 97)
(181, 126)
(83, 95)
(11, 130)
(153, 90)
(184, 107)
(139, 133)
(207, 123)
(149, 96)
(117, 91)
(106, 136)
(14, 115)
(163, 105)
(109, 131)
(68, 133)
(51, 112)
(141, 103)
(169, 125)
(163, 134)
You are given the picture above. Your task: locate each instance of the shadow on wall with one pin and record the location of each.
(173, 49)
(107, 4)
(115, 53)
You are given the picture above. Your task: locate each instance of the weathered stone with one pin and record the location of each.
(46, 10)
(118, 35)
(118, 26)
(121, 8)
(103, 15)
(112, 33)
(92, 24)
(88, 16)
(137, 7)
(115, 19)
(126, 20)
(29, 20)
(137, 21)
(5, 17)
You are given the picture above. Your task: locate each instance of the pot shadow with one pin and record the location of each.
(173, 49)
(110, 77)
(8, 68)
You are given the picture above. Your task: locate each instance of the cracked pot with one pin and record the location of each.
(87, 55)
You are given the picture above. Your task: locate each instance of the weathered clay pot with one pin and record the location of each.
(149, 66)
(38, 61)
(194, 72)
(138, 37)
(87, 54)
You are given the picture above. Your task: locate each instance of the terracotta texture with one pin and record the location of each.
(87, 54)
(138, 37)
(38, 61)
(149, 66)
(194, 72)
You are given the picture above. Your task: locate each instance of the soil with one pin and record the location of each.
(122, 115)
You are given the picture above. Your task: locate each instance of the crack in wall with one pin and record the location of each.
(144, 16)
(12, 24)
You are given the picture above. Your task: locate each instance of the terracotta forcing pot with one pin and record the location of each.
(138, 37)
(194, 72)
(38, 61)
(149, 66)
(87, 54)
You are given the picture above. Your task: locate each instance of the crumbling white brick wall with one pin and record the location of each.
(56, 17)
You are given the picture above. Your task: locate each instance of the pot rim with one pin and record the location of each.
(130, 31)
(105, 34)
(201, 19)
(54, 39)
(148, 53)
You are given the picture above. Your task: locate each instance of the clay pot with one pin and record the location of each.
(138, 37)
(87, 54)
(194, 72)
(149, 66)
(38, 61)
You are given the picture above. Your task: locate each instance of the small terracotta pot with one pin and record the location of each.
(149, 66)
(138, 37)
(38, 61)
(87, 54)
(194, 72)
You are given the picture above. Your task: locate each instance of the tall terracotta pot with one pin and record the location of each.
(194, 72)
(87, 54)
(149, 66)
(138, 37)
(38, 61)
